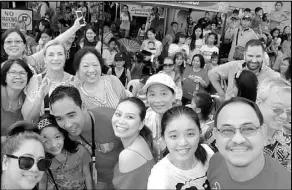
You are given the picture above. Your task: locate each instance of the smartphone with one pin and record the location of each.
(79, 14)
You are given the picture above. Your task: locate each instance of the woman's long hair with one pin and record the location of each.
(194, 38)
(145, 132)
(175, 112)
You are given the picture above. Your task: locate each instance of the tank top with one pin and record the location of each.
(136, 179)
(123, 77)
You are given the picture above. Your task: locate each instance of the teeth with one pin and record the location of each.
(239, 149)
(30, 177)
(184, 151)
(121, 129)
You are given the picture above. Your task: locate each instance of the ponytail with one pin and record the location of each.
(146, 133)
(201, 154)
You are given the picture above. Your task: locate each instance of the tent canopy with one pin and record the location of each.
(204, 6)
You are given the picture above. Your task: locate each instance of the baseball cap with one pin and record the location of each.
(146, 53)
(119, 56)
(160, 78)
(247, 18)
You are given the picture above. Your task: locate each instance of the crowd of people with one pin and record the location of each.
(81, 110)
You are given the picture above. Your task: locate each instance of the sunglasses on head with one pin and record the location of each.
(25, 162)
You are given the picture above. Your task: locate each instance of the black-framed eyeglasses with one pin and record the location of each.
(26, 162)
(246, 131)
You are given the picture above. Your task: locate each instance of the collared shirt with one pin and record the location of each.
(228, 71)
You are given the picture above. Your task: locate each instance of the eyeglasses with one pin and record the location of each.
(25, 162)
(168, 65)
(15, 73)
(10, 42)
(246, 131)
(280, 111)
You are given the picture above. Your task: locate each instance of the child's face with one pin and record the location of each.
(182, 40)
(211, 39)
(151, 45)
(178, 60)
(287, 30)
(53, 140)
(214, 61)
(276, 33)
(112, 45)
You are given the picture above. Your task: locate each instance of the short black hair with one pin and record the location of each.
(241, 100)
(235, 11)
(254, 42)
(7, 65)
(11, 30)
(82, 52)
(172, 23)
(257, 9)
(62, 92)
(247, 10)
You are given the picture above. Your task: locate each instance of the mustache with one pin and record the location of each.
(235, 145)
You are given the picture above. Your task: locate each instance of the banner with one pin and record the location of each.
(143, 11)
(10, 17)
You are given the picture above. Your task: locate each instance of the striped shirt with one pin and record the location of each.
(114, 91)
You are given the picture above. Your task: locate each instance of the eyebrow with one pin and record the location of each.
(246, 123)
(126, 112)
(72, 112)
(32, 156)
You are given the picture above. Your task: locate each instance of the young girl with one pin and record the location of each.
(197, 41)
(186, 164)
(275, 43)
(70, 163)
(141, 33)
(120, 70)
(138, 90)
(208, 49)
(46, 36)
(214, 62)
(125, 21)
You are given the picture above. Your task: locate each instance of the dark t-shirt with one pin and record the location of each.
(108, 146)
(273, 176)
(70, 58)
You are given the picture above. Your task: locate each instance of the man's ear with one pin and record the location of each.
(198, 110)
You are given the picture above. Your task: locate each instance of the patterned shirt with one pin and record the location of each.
(280, 148)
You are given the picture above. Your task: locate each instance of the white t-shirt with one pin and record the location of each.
(108, 56)
(206, 52)
(164, 175)
(199, 44)
(174, 48)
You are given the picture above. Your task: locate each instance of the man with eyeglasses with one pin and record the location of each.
(274, 101)
(241, 163)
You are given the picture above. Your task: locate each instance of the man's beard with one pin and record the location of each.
(252, 68)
